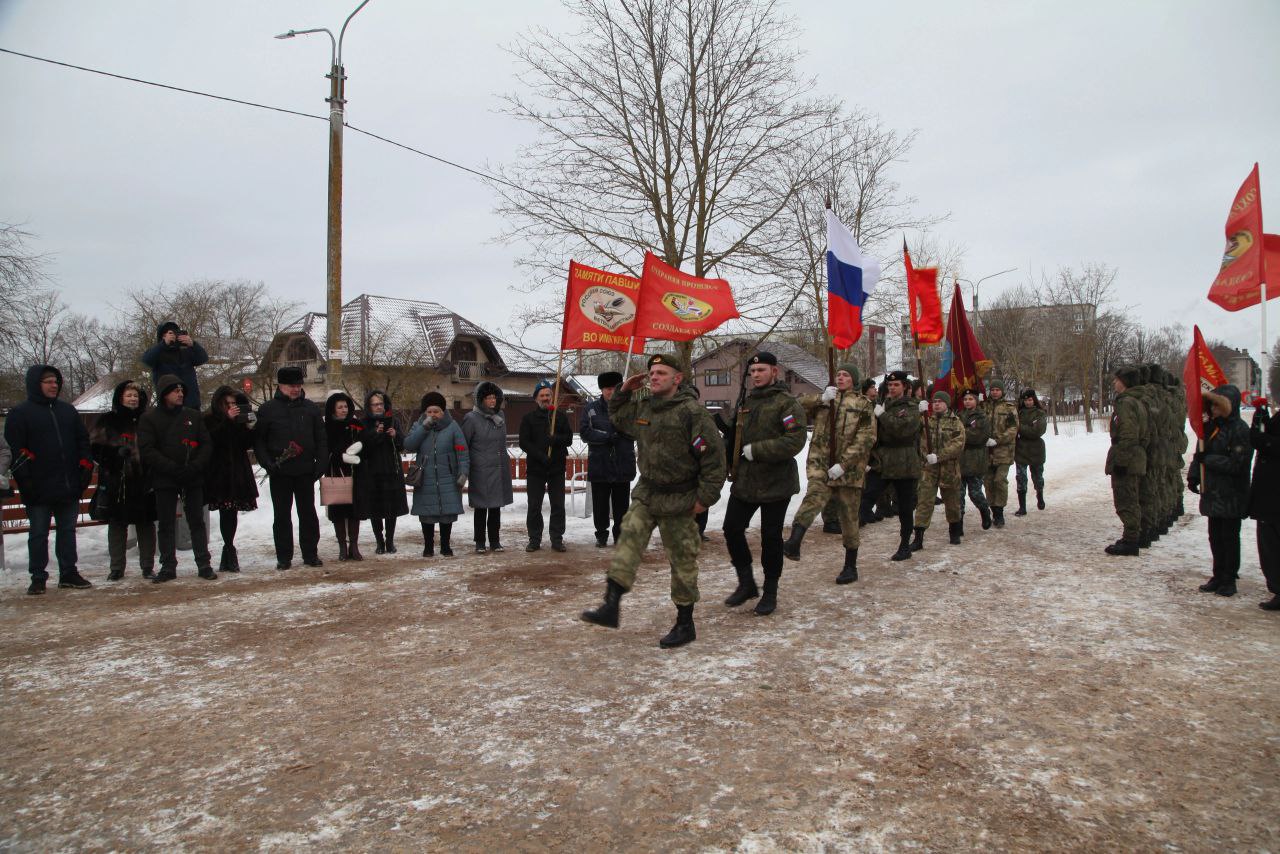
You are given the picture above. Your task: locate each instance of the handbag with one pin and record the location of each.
(336, 489)
(99, 502)
(413, 476)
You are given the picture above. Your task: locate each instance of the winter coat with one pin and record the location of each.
(1127, 454)
(1264, 491)
(677, 450)
(1029, 450)
(1177, 425)
(229, 482)
(536, 439)
(855, 436)
(50, 430)
(1002, 417)
(379, 484)
(281, 421)
(1228, 451)
(485, 432)
(897, 437)
(442, 453)
(1153, 398)
(946, 438)
(977, 430)
(773, 424)
(175, 445)
(127, 496)
(175, 360)
(611, 456)
(341, 434)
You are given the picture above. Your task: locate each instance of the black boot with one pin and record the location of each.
(953, 533)
(1144, 538)
(340, 531)
(986, 517)
(768, 599)
(391, 535)
(791, 548)
(904, 549)
(1022, 503)
(1211, 585)
(746, 588)
(849, 574)
(74, 580)
(608, 612)
(917, 543)
(1123, 547)
(164, 575)
(1227, 588)
(207, 573)
(602, 540)
(428, 539)
(960, 526)
(446, 531)
(353, 540)
(682, 632)
(380, 544)
(1039, 499)
(997, 516)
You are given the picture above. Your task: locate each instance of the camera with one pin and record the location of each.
(246, 415)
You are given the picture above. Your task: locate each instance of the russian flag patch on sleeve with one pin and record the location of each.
(788, 421)
(699, 444)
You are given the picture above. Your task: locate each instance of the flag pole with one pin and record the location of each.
(928, 440)
(555, 402)
(1265, 353)
(831, 380)
(626, 358)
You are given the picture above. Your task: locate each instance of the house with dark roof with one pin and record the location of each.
(718, 374)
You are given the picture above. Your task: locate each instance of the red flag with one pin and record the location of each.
(1200, 374)
(675, 306)
(963, 362)
(600, 310)
(1243, 270)
(922, 298)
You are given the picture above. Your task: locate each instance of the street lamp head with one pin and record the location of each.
(287, 35)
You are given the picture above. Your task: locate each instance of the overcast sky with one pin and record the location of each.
(1054, 134)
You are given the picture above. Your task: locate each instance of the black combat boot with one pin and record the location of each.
(768, 599)
(1039, 499)
(428, 539)
(746, 588)
(986, 517)
(831, 526)
(849, 574)
(1022, 503)
(1123, 547)
(997, 516)
(953, 533)
(918, 542)
(904, 549)
(791, 548)
(682, 632)
(1144, 538)
(608, 612)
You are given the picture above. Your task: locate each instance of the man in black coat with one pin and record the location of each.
(291, 445)
(51, 467)
(611, 460)
(545, 451)
(175, 447)
(176, 354)
(1219, 474)
(1264, 499)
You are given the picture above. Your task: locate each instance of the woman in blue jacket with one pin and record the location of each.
(442, 454)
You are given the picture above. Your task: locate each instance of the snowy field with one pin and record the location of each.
(1022, 691)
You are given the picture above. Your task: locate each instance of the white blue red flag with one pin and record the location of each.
(851, 277)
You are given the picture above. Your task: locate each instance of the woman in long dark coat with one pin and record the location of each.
(380, 492)
(229, 484)
(442, 453)
(1264, 499)
(129, 499)
(343, 432)
(1220, 475)
(485, 429)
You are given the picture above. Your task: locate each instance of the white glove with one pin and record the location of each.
(350, 459)
(991, 443)
(746, 451)
(879, 410)
(924, 406)
(829, 394)
(835, 472)
(251, 419)
(355, 447)
(931, 459)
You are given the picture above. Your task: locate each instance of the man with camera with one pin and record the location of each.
(176, 354)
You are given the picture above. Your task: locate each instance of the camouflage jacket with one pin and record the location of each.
(1176, 413)
(977, 430)
(1128, 435)
(1156, 444)
(945, 435)
(897, 435)
(773, 424)
(1031, 426)
(1003, 418)
(678, 450)
(855, 436)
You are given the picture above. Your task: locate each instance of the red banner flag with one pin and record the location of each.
(675, 306)
(1244, 267)
(922, 298)
(1200, 374)
(600, 310)
(963, 363)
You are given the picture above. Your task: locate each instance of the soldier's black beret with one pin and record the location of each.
(764, 357)
(898, 376)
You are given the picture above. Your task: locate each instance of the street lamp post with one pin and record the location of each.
(974, 286)
(333, 253)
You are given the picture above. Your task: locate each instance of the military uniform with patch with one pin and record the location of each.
(1003, 417)
(943, 436)
(897, 437)
(975, 462)
(1127, 462)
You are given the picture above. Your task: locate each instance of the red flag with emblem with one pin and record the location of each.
(675, 306)
(1244, 261)
(922, 298)
(1200, 374)
(600, 311)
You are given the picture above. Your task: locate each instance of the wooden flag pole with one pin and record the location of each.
(555, 402)
(831, 380)
(928, 440)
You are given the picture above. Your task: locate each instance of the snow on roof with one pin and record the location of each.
(97, 397)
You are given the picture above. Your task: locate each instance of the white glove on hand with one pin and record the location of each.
(350, 459)
(355, 447)
(829, 394)
(924, 406)
(991, 443)
(835, 472)
(879, 410)
(931, 459)
(251, 419)
(746, 451)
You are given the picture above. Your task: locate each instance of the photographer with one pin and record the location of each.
(176, 354)
(229, 486)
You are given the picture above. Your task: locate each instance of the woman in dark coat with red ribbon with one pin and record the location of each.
(229, 484)
(124, 496)
(380, 494)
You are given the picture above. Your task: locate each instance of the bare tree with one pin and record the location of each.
(1087, 293)
(22, 278)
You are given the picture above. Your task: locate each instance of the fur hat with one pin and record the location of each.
(433, 398)
(1129, 375)
(289, 375)
(608, 379)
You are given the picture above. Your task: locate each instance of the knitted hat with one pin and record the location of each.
(168, 383)
(992, 385)
(943, 396)
(851, 369)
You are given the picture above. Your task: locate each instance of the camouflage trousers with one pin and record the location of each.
(1126, 496)
(948, 478)
(973, 486)
(847, 500)
(1037, 476)
(996, 484)
(1151, 493)
(679, 537)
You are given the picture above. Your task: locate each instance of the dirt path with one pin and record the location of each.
(1021, 691)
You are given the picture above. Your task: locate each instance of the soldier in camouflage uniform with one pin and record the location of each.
(681, 473)
(1028, 453)
(897, 435)
(1003, 418)
(770, 430)
(1178, 443)
(1150, 487)
(1127, 459)
(842, 481)
(974, 463)
(941, 444)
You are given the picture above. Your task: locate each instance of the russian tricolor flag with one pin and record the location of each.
(851, 277)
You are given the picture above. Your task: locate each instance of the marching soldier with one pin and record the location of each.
(1003, 417)
(681, 473)
(897, 435)
(839, 483)
(975, 461)
(941, 444)
(1028, 453)
(1127, 460)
